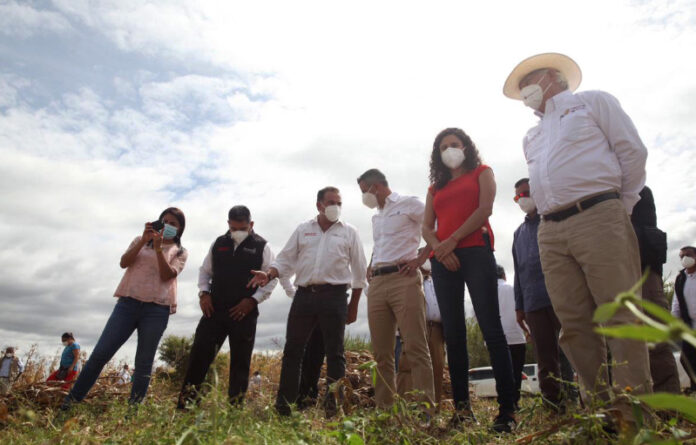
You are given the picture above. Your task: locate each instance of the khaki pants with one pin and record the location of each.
(5, 385)
(394, 300)
(436, 345)
(587, 260)
(663, 367)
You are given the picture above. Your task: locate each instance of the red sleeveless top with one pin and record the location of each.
(454, 203)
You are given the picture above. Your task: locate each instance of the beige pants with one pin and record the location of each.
(587, 260)
(5, 386)
(398, 300)
(436, 345)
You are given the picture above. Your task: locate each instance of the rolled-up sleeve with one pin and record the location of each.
(623, 138)
(263, 293)
(358, 264)
(286, 260)
(416, 210)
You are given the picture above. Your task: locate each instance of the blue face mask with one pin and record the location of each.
(169, 232)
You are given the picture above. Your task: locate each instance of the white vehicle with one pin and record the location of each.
(482, 380)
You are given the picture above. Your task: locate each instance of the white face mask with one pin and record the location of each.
(452, 157)
(370, 200)
(65, 343)
(9, 355)
(532, 95)
(239, 235)
(688, 262)
(332, 213)
(526, 204)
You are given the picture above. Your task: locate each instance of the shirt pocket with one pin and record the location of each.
(577, 126)
(396, 223)
(338, 244)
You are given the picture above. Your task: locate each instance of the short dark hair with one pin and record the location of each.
(67, 335)
(10, 349)
(373, 176)
(522, 181)
(500, 271)
(691, 248)
(239, 213)
(324, 191)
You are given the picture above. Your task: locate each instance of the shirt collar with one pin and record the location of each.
(553, 102)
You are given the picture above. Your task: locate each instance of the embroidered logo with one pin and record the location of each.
(310, 234)
(249, 249)
(223, 249)
(572, 110)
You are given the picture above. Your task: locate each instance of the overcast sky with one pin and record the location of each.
(112, 111)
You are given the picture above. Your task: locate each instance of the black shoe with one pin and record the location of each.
(283, 410)
(504, 423)
(463, 417)
(67, 403)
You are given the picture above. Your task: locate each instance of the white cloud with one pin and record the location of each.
(22, 20)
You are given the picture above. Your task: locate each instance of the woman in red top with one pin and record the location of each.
(459, 202)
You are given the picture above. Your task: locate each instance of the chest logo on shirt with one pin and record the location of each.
(311, 234)
(223, 249)
(572, 110)
(249, 249)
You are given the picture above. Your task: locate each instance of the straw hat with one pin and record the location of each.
(557, 61)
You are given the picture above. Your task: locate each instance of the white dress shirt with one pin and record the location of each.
(396, 229)
(506, 301)
(432, 310)
(584, 144)
(205, 273)
(689, 297)
(317, 257)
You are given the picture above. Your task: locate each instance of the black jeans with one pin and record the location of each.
(478, 271)
(517, 353)
(311, 367)
(326, 310)
(210, 335)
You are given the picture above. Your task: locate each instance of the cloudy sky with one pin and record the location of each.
(111, 111)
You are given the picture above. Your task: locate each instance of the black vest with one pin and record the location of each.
(679, 284)
(232, 269)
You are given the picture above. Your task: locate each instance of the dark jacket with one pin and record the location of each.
(232, 269)
(679, 295)
(652, 241)
(530, 287)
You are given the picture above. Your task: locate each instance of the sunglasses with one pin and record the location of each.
(521, 195)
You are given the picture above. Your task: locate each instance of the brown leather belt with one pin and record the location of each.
(579, 207)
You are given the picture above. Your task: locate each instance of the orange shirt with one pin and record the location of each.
(454, 203)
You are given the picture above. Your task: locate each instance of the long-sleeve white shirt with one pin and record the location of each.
(689, 297)
(432, 310)
(317, 257)
(508, 318)
(205, 274)
(584, 144)
(396, 229)
(6, 365)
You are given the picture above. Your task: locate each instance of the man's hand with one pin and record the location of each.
(260, 279)
(411, 267)
(206, 303)
(444, 248)
(451, 262)
(352, 312)
(523, 325)
(368, 274)
(241, 310)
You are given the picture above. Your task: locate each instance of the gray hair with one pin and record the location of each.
(559, 78)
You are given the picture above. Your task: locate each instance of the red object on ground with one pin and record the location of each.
(68, 380)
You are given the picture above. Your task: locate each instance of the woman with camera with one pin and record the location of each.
(146, 298)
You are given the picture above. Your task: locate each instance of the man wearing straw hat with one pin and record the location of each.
(586, 170)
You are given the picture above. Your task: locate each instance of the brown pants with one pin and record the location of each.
(436, 345)
(663, 367)
(587, 260)
(397, 300)
(5, 385)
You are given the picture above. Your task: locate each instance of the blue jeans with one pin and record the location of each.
(478, 271)
(150, 320)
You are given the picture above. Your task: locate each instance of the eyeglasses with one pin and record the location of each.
(521, 195)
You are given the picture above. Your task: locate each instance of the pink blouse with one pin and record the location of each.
(142, 279)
